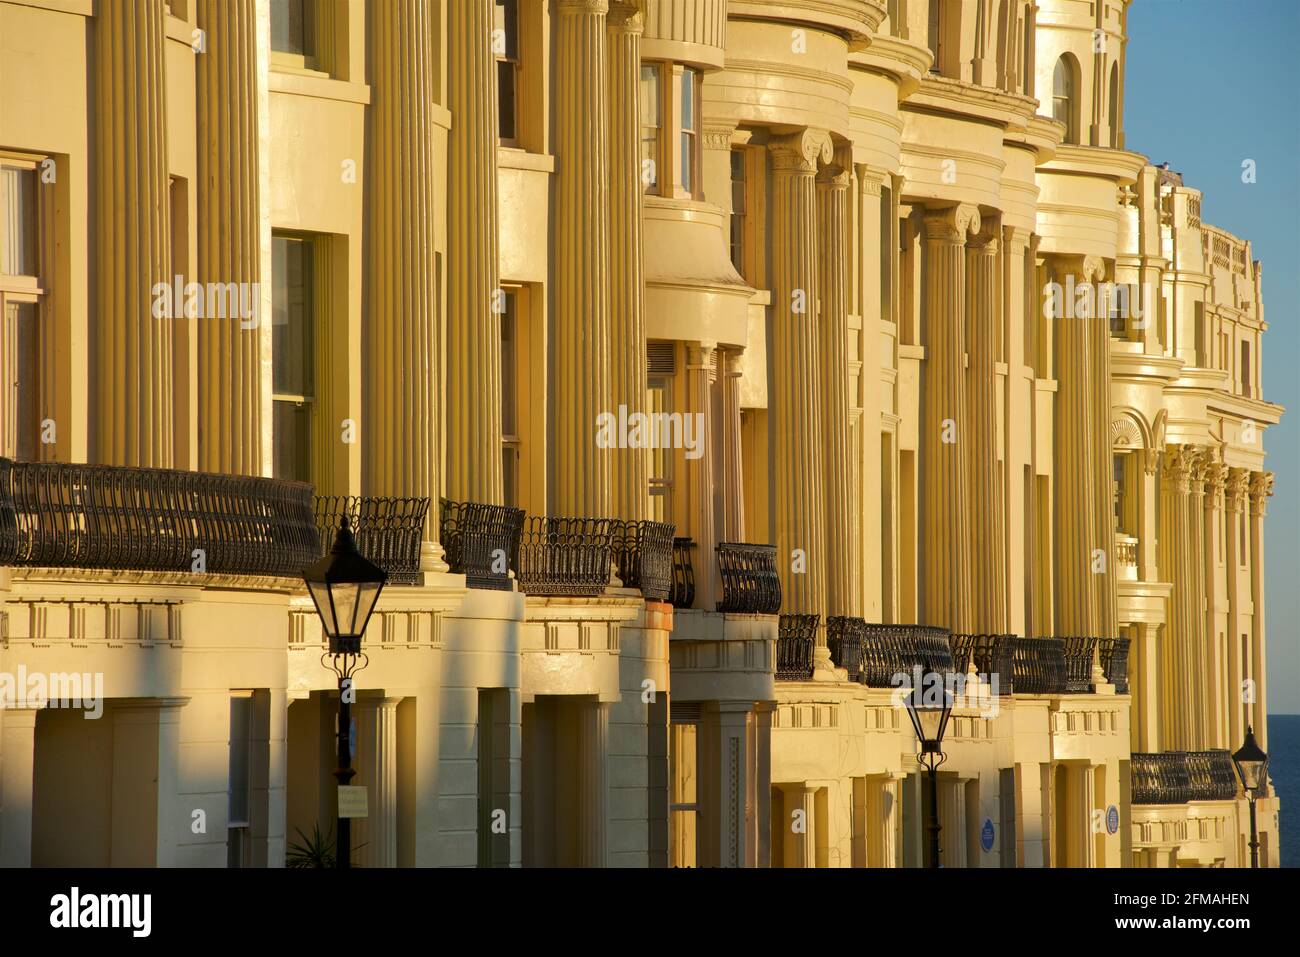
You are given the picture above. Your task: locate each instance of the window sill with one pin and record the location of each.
(319, 85)
(513, 157)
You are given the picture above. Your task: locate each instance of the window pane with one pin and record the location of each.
(509, 400)
(18, 208)
(650, 122)
(506, 126)
(23, 319)
(682, 756)
(682, 839)
(292, 27)
(241, 717)
(510, 475)
(688, 100)
(292, 440)
(505, 24)
(292, 317)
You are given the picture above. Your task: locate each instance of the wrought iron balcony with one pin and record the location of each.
(388, 530)
(1038, 666)
(1176, 777)
(844, 639)
(643, 555)
(1078, 664)
(61, 515)
(481, 541)
(683, 593)
(889, 650)
(992, 655)
(1114, 662)
(564, 556)
(795, 641)
(749, 580)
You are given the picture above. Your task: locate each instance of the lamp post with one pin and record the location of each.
(1252, 763)
(344, 587)
(929, 705)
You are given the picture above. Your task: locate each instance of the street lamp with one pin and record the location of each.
(344, 587)
(1252, 762)
(929, 706)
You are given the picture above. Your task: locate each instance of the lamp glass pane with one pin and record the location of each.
(320, 594)
(367, 595)
(345, 605)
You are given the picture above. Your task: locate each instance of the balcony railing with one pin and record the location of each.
(844, 639)
(1176, 777)
(683, 593)
(643, 555)
(388, 531)
(992, 655)
(749, 580)
(60, 515)
(1038, 666)
(1126, 556)
(1114, 662)
(1078, 664)
(889, 650)
(794, 647)
(564, 556)
(481, 541)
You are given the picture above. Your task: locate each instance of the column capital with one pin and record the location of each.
(802, 151)
(718, 134)
(1083, 268)
(1238, 487)
(626, 15)
(838, 173)
(1261, 487)
(952, 223)
(595, 7)
(1016, 238)
(986, 236)
(870, 181)
(1176, 467)
(1216, 480)
(732, 359)
(699, 355)
(1200, 460)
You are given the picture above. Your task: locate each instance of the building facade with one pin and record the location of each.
(694, 367)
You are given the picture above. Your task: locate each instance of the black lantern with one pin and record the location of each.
(928, 705)
(1252, 766)
(345, 587)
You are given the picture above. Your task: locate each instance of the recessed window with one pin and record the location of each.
(739, 209)
(651, 123)
(684, 808)
(505, 45)
(1063, 97)
(510, 442)
(293, 27)
(1245, 370)
(293, 380)
(688, 110)
(239, 782)
(21, 298)
(661, 370)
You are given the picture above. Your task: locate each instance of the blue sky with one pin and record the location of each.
(1209, 85)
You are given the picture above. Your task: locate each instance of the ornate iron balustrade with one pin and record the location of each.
(991, 654)
(683, 594)
(643, 555)
(1176, 777)
(1038, 666)
(388, 530)
(61, 515)
(481, 541)
(844, 638)
(1078, 665)
(1212, 775)
(794, 647)
(1114, 662)
(564, 556)
(889, 650)
(749, 580)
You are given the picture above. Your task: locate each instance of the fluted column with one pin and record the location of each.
(404, 354)
(945, 427)
(133, 395)
(583, 388)
(700, 471)
(988, 564)
(473, 306)
(843, 589)
(630, 467)
(1261, 487)
(796, 401)
(1215, 707)
(229, 247)
(593, 783)
(1077, 475)
(1193, 582)
(1235, 499)
(1175, 548)
(376, 834)
(1104, 579)
(731, 485)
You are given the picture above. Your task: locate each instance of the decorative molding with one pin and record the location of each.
(801, 152)
(952, 223)
(1125, 434)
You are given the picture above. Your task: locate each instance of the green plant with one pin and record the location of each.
(316, 851)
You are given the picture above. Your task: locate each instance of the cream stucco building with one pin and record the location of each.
(694, 367)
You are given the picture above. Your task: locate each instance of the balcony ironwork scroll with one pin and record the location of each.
(683, 593)
(564, 556)
(749, 580)
(1176, 777)
(796, 638)
(643, 556)
(481, 541)
(991, 655)
(844, 638)
(1114, 662)
(1079, 654)
(63, 515)
(890, 650)
(388, 531)
(1039, 666)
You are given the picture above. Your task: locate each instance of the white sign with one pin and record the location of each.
(352, 801)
